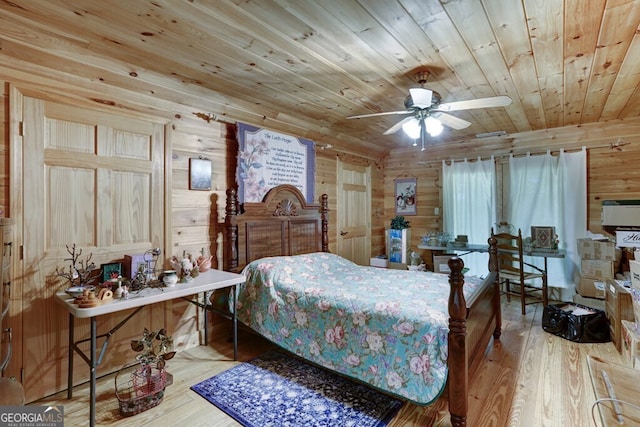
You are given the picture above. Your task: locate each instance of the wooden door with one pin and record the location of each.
(354, 212)
(95, 180)
(6, 246)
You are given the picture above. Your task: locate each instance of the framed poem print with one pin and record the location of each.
(267, 159)
(543, 237)
(406, 196)
(200, 174)
(111, 270)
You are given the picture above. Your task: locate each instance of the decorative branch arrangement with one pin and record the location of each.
(80, 270)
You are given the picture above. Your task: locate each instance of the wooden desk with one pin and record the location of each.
(205, 283)
(626, 386)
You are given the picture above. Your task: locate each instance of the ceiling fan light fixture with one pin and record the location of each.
(421, 77)
(433, 126)
(412, 128)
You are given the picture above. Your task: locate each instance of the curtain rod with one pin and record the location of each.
(612, 145)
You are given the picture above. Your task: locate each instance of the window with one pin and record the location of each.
(541, 190)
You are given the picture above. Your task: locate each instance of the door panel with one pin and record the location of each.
(354, 212)
(92, 179)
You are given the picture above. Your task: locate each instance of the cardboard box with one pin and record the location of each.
(630, 342)
(596, 268)
(628, 238)
(596, 249)
(440, 263)
(379, 262)
(618, 307)
(590, 287)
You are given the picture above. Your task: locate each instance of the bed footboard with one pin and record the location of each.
(482, 320)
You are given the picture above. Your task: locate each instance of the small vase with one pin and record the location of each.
(170, 278)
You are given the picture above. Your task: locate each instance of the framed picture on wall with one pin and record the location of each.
(406, 196)
(199, 174)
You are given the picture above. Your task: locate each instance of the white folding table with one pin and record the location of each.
(205, 282)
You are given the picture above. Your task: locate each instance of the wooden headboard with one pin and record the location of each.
(282, 224)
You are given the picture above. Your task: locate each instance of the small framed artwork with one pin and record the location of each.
(111, 270)
(200, 174)
(406, 196)
(543, 237)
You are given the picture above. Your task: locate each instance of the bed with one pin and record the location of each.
(362, 326)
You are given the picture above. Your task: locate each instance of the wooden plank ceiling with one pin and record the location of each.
(302, 67)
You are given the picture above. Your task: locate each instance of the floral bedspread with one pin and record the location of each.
(387, 328)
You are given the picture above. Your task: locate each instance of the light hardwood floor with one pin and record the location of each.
(528, 378)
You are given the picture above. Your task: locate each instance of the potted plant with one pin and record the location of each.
(399, 223)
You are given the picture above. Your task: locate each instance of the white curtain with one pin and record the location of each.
(469, 206)
(551, 191)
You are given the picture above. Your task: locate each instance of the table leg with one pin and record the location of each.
(94, 364)
(235, 323)
(70, 373)
(206, 327)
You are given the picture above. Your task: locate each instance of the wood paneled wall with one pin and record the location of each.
(612, 151)
(192, 218)
(4, 150)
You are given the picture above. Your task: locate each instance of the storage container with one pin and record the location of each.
(618, 307)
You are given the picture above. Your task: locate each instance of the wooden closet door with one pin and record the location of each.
(95, 180)
(353, 212)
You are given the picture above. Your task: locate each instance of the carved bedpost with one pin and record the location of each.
(230, 249)
(493, 266)
(324, 210)
(457, 359)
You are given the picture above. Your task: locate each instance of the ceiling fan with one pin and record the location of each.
(426, 113)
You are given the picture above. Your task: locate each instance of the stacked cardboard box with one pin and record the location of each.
(618, 307)
(597, 259)
(630, 343)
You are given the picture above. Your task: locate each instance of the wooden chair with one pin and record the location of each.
(513, 270)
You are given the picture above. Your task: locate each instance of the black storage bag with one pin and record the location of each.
(585, 328)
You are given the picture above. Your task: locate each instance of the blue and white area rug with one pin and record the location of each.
(280, 391)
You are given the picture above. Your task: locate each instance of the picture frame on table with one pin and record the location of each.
(406, 196)
(110, 270)
(543, 237)
(199, 174)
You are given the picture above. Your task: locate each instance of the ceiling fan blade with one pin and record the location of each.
(493, 101)
(387, 113)
(421, 97)
(395, 128)
(451, 121)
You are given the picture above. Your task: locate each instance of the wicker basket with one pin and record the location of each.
(139, 387)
